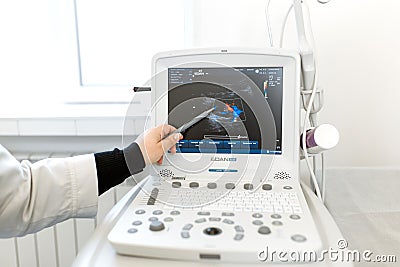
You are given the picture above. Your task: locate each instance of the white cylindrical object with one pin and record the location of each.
(320, 138)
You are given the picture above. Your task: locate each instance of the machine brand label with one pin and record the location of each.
(223, 159)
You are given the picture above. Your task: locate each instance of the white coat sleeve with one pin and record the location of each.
(38, 195)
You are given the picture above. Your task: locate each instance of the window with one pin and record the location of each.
(117, 38)
(82, 50)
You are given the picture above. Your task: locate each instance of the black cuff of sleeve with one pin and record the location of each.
(113, 167)
(133, 157)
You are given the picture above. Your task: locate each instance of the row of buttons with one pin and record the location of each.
(207, 213)
(228, 186)
(157, 212)
(214, 219)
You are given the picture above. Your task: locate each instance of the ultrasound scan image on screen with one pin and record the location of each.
(233, 125)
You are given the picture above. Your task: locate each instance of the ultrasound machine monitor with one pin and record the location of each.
(233, 186)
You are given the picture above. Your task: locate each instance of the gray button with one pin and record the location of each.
(157, 226)
(175, 212)
(153, 196)
(168, 219)
(239, 229)
(257, 215)
(157, 212)
(212, 231)
(257, 222)
(211, 185)
(228, 214)
(153, 219)
(176, 184)
(185, 234)
(132, 230)
(267, 187)
(248, 186)
(238, 237)
(277, 223)
(214, 219)
(203, 213)
(140, 211)
(287, 187)
(201, 220)
(294, 217)
(194, 185)
(137, 223)
(227, 221)
(299, 238)
(187, 226)
(151, 201)
(264, 230)
(230, 186)
(276, 216)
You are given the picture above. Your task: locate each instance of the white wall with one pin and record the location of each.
(358, 47)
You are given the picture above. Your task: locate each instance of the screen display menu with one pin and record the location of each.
(233, 124)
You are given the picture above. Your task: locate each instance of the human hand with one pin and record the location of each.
(153, 146)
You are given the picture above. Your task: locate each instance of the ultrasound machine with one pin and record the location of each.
(233, 187)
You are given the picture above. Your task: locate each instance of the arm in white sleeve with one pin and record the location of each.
(35, 196)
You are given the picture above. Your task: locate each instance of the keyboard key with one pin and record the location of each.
(257, 222)
(187, 227)
(227, 221)
(156, 226)
(211, 185)
(294, 217)
(157, 212)
(176, 184)
(140, 211)
(132, 230)
(168, 219)
(267, 187)
(238, 237)
(194, 185)
(175, 212)
(299, 238)
(248, 186)
(201, 220)
(230, 186)
(185, 234)
(239, 229)
(276, 216)
(264, 230)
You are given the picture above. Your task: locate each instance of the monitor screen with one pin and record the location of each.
(233, 125)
